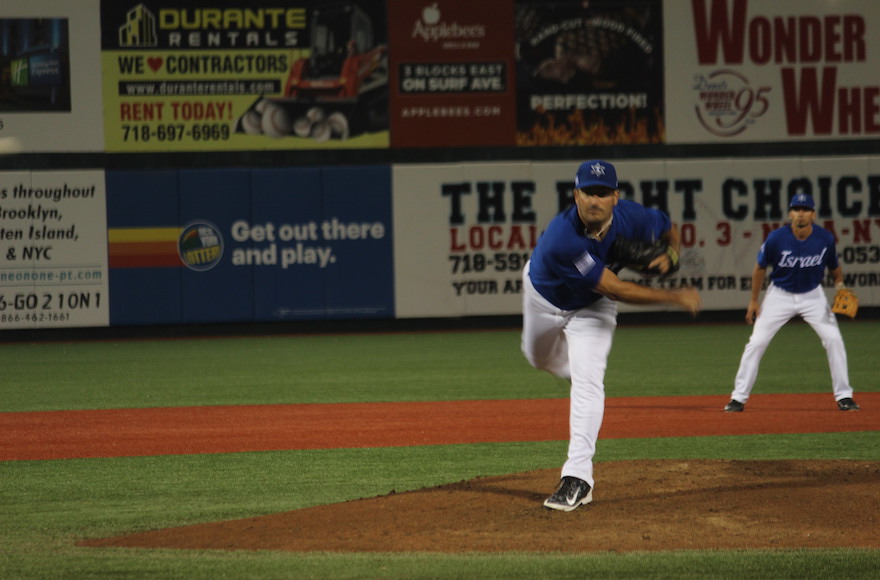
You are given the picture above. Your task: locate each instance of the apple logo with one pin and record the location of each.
(430, 14)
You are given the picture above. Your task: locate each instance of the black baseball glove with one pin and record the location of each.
(637, 255)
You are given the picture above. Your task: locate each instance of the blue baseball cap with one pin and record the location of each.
(595, 172)
(802, 200)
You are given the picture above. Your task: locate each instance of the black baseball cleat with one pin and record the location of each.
(571, 493)
(847, 404)
(734, 406)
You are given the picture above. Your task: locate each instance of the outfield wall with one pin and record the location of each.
(408, 241)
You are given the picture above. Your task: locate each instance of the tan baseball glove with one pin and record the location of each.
(845, 302)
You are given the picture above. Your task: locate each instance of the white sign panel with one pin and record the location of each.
(53, 249)
(463, 232)
(50, 82)
(750, 70)
(462, 236)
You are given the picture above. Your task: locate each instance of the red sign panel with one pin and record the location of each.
(452, 73)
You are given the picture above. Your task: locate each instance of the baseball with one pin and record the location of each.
(260, 107)
(315, 114)
(338, 125)
(251, 123)
(321, 131)
(302, 127)
(276, 121)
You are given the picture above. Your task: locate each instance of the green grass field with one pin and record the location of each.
(46, 506)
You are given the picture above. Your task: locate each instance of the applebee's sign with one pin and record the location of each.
(431, 28)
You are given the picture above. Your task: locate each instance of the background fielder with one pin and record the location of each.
(799, 254)
(570, 289)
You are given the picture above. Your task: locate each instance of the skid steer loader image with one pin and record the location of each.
(340, 90)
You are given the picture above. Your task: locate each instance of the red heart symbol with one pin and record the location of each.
(155, 63)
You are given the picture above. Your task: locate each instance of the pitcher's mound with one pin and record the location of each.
(637, 505)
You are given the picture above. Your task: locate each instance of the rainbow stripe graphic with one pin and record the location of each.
(144, 247)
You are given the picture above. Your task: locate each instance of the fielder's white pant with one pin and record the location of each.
(572, 344)
(778, 308)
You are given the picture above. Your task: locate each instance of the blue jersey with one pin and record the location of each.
(798, 265)
(566, 265)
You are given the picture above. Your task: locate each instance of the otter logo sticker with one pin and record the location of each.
(200, 246)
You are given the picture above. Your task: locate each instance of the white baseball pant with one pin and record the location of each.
(778, 308)
(572, 344)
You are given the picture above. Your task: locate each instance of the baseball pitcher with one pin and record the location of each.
(570, 295)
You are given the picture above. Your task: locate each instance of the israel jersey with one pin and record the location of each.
(798, 265)
(566, 265)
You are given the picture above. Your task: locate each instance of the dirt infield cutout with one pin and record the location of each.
(638, 506)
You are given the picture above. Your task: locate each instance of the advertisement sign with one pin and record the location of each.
(250, 245)
(463, 232)
(53, 257)
(49, 68)
(236, 75)
(745, 70)
(589, 73)
(452, 73)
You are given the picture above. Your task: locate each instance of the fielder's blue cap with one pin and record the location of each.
(802, 200)
(595, 172)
